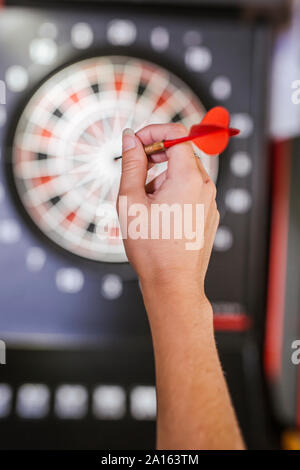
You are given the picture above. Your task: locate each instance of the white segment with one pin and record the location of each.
(198, 59)
(35, 259)
(71, 401)
(160, 39)
(143, 402)
(2, 92)
(238, 200)
(223, 240)
(241, 164)
(2, 192)
(121, 32)
(16, 78)
(48, 30)
(2, 115)
(244, 123)
(10, 231)
(69, 280)
(221, 88)
(5, 400)
(192, 38)
(112, 286)
(109, 402)
(82, 35)
(43, 51)
(33, 401)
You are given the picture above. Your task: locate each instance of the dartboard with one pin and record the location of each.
(67, 139)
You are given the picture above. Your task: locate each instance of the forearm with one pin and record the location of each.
(194, 407)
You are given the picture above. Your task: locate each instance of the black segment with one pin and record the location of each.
(58, 113)
(177, 117)
(91, 228)
(95, 87)
(42, 156)
(54, 200)
(141, 89)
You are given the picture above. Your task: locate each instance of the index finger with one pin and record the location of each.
(180, 157)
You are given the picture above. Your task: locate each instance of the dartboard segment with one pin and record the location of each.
(68, 137)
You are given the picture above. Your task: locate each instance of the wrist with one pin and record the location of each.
(180, 317)
(185, 298)
(174, 286)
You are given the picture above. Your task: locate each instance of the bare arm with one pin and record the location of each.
(194, 406)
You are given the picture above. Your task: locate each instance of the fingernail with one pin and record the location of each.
(128, 140)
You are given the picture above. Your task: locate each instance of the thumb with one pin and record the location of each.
(134, 164)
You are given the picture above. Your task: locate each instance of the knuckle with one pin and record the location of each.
(130, 165)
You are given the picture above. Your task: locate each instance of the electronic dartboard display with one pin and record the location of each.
(79, 369)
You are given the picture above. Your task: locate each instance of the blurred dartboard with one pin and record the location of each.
(72, 77)
(69, 135)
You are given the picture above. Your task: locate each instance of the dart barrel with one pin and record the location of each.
(154, 148)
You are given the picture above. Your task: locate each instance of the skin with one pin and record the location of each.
(194, 406)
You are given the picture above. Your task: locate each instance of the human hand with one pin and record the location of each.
(167, 261)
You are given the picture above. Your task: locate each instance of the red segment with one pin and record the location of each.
(71, 216)
(118, 83)
(278, 260)
(46, 133)
(41, 180)
(45, 179)
(162, 99)
(74, 98)
(114, 232)
(231, 322)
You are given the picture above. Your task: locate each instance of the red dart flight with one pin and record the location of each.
(211, 135)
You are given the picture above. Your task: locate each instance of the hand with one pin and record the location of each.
(184, 182)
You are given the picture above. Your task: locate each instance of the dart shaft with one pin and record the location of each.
(205, 130)
(156, 147)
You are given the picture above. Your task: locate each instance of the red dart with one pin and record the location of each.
(211, 135)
